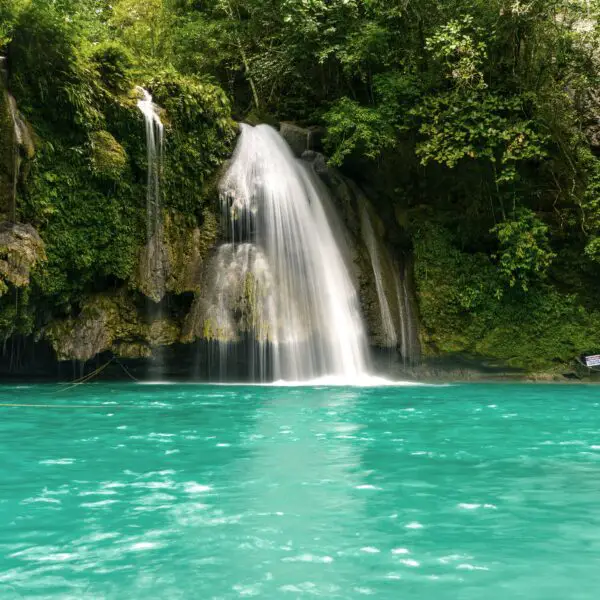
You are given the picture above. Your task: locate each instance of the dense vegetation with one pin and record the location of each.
(470, 123)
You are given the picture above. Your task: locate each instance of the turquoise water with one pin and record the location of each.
(167, 492)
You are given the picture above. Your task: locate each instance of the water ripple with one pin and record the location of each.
(223, 492)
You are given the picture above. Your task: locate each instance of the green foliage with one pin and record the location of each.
(483, 126)
(92, 232)
(86, 192)
(8, 15)
(461, 313)
(198, 139)
(143, 25)
(353, 127)
(112, 62)
(460, 54)
(467, 116)
(48, 75)
(524, 253)
(108, 157)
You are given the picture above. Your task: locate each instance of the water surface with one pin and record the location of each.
(182, 491)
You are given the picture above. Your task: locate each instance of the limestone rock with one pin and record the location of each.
(163, 332)
(188, 248)
(109, 323)
(301, 139)
(173, 259)
(154, 267)
(21, 248)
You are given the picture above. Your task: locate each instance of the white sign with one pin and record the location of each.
(592, 361)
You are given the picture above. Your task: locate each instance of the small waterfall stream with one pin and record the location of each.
(387, 322)
(391, 276)
(281, 279)
(153, 262)
(18, 128)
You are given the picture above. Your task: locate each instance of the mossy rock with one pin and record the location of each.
(188, 248)
(105, 323)
(21, 248)
(163, 332)
(109, 159)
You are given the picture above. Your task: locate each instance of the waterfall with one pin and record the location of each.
(409, 337)
(18, 127)
(387, 323)
(281, 279)
(398, 321)
(154, 264)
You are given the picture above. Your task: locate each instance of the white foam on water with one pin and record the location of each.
(362, 381)
(410, 562)
(191, 487)
(365, 381)
(142, 546)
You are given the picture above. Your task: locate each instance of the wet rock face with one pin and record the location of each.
(392, 285)
(154, 266)
(301, 139)
(21, 248)
(109, 323)
(173, 258)
(16, 148)
(7, 144)
(83, 338)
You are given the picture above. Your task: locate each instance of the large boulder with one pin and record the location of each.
(301, 139)
(21, 248)
(109, 322)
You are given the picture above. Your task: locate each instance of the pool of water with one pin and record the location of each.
(184, 491)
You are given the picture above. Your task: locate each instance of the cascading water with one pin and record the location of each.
(154, 264)
(387, 323)
(410, 347)
(398, 322)
(282, 279)
(18, 128)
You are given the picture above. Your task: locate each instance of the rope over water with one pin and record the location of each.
(73, 384)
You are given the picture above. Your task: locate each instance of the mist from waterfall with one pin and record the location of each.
(281, 279)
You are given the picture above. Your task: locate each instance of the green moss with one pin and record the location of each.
(462, 312)
(108, 157)
(199, 137)
(109, 322)
(188, 246)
